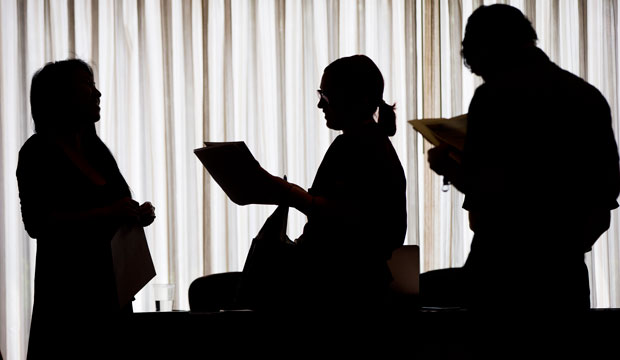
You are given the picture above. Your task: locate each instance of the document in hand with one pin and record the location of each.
(133, 266)
(450, 131)
(234, 168)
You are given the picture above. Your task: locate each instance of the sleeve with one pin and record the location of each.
(601, 152)
(33, 189)
(471, 166)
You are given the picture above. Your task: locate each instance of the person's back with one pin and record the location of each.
(551, 137)
(361, 170)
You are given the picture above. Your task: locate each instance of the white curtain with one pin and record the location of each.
(176, 73)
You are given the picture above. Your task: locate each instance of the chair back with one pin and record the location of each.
(405, 268)
(215, 292)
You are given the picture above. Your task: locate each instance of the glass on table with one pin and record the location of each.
(164, 296)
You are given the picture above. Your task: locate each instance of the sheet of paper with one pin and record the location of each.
(133, 265)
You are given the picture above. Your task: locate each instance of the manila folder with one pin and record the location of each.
(133, 266)
(439, 131)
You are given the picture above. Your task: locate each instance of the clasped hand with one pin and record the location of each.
(129, 209)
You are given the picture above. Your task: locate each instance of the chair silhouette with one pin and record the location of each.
(215, 292)
(405, 268)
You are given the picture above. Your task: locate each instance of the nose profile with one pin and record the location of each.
(322, 99)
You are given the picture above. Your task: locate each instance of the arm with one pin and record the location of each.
(123, 210)
(443, 163)
(44, 213)
(298, 198)
(273, 190)
(601, 155)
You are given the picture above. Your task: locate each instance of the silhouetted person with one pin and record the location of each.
(73, 199)
(540, 174)
(356, 207)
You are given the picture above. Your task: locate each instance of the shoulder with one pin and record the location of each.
(34, 143)
(37, 154)
(580, 90)
(481, 92)
(480, 98)
(383, 159)
(31, 160)
(32, 149)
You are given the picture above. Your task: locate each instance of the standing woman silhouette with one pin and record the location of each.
(73, 200)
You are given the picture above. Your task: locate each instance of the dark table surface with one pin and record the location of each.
(419, 334)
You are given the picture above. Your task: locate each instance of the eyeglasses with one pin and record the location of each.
(322, 96)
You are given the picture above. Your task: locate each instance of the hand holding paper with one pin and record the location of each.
(440, 161)
(448, 136)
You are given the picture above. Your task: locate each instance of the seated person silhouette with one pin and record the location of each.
(73, 199)
(356, 207)
(540, 174)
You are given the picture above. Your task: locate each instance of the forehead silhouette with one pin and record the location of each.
(498, 26)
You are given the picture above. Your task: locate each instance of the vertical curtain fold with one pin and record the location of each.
(167, 71)
(431, 108)
(410, 107)
(16, 291)
(174, 74)
(206, 185)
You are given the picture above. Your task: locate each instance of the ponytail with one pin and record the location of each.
(387, 118)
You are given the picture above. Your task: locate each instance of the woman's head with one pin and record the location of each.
(63, 97)
(351, 91)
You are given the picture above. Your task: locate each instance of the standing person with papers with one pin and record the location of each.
(540, 174)
(356, 206)
(73, 201)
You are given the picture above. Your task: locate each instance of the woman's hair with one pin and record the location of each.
(52, 111)
(359, 84)
(49, 94)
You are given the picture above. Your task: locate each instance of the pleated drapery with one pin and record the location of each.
(176, 73)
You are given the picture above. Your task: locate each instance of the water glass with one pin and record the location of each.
(164, 296)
